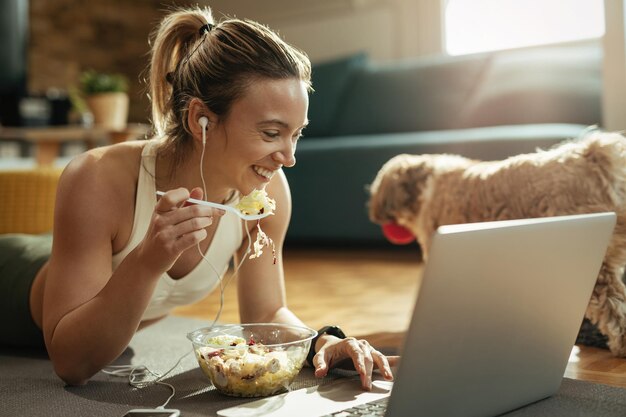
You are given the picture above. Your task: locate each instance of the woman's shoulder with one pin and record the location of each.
(107, 173)
(107, 163)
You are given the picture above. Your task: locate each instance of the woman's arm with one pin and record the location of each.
(262, 298)
(260, 281)
(90, 313)
(79, 315)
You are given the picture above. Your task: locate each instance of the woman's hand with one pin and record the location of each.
(364, 357)
(175, 227)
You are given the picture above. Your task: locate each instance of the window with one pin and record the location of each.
(487, 25)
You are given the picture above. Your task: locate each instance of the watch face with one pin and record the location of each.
(333, 331)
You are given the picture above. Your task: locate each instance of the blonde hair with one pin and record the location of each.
(214, 65)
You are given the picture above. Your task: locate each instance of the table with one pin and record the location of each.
(47, 140)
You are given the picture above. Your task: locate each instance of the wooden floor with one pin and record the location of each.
(370, 293)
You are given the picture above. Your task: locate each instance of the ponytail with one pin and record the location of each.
(175, 37)
(194, 57)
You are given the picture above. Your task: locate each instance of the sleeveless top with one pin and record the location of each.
(201, 280)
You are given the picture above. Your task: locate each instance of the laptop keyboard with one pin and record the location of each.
(372, 409)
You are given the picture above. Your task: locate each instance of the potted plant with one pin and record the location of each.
(107, 98)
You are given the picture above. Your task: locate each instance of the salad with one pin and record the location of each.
(247, 368)
(258, 202)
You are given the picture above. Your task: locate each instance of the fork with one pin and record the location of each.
(224, 207)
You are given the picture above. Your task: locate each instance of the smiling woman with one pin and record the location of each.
(487, 25)
(229, 102)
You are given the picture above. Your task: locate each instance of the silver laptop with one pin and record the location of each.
(494, 322)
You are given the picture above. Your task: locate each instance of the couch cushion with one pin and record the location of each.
(559, 84)
(330, 80)
(340, 169)
(408, 96)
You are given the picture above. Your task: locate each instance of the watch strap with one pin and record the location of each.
(331, 330)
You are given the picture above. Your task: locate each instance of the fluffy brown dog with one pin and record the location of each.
(423, 192)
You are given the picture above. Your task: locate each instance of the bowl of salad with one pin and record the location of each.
(251, 360)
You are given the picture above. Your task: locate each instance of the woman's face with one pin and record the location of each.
(259, 135)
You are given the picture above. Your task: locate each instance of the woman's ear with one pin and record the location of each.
(199, 118)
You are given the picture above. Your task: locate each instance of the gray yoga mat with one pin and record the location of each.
(29, 387)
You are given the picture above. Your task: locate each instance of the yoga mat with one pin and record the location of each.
(29, 387)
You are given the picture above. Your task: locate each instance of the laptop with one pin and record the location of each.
(493, 325)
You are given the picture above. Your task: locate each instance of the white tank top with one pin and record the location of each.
(170, 293)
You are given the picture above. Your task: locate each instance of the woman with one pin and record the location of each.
(121, 259)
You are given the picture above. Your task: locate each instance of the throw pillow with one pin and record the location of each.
(330, 80)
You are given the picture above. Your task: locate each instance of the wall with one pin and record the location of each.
(69, 36)
(614, 69)
(325, 29)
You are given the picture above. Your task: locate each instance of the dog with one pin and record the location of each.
(587, 175)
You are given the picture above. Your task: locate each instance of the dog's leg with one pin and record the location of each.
(607, 307)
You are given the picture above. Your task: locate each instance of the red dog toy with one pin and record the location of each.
(397, 234)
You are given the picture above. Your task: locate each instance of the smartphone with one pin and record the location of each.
(151, 412)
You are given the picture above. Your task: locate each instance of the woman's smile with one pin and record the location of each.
(264, 173)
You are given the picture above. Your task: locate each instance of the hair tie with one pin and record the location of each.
(206, 28)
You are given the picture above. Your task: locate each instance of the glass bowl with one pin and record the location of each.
(251, 360)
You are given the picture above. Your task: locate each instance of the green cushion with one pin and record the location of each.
(330, 80)
(560, 84)
(339, 170)
(408, 95)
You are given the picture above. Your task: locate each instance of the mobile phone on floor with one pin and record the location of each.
(153, 412)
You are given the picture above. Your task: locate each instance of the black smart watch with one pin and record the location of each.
(331, 330)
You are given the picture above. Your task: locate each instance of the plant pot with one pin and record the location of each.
(110, 110)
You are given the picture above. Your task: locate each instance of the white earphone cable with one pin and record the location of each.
(204, 126)
(133, 372)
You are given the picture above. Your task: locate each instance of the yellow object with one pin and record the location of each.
(257, 202)
(27, 200)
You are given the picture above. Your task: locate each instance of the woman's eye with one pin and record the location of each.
(271, 134)
(299, 134)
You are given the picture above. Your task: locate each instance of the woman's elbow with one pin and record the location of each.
(71, 376)
(71, 372)
(67, 363)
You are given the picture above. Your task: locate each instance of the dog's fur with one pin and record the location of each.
(422, 192)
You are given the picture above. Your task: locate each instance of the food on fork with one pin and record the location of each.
(254, 204)
(257, 202)
(262, 239)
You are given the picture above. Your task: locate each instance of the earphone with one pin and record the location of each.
(204, 122)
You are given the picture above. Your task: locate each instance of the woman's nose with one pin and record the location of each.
(286, 156)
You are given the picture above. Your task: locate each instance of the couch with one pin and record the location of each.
(485, 106)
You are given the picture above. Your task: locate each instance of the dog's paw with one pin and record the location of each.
(618, 347)
(589, 335)
(616, 333)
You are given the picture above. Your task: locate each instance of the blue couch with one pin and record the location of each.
(485, 106)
